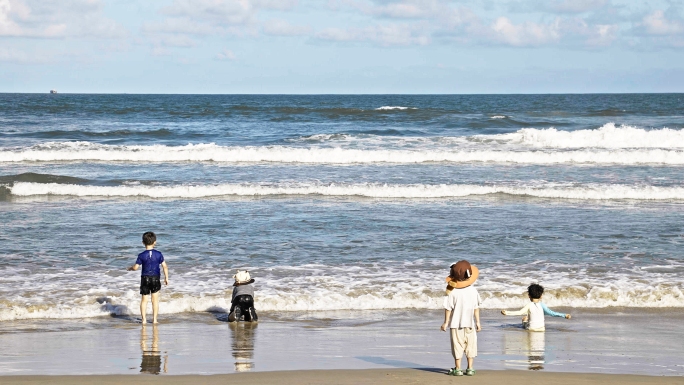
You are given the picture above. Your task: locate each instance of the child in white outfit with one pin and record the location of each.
(462, 315)
(534, 311)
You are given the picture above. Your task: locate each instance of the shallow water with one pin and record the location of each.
(622, 341)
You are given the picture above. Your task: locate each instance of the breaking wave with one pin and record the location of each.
(624, 145)
(369, 190)
(351, 288)
(80, 151)
(607, 136)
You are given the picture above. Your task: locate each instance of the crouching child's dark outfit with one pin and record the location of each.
(242, 304)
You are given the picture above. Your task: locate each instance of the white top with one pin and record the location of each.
(536, 312)
(536, 315)
(462, 303)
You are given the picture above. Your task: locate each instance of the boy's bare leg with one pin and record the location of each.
(470, 362)
(458, 363)
(155, 306)
(143, 308)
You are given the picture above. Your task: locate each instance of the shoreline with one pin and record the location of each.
(634, 343)
(352, 377)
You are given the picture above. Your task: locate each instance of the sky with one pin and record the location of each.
(341, 46)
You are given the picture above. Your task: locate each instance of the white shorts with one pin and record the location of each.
(464, 340)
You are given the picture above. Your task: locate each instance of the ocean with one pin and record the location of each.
(339, 202)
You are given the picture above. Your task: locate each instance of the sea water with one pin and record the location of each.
(339, 202)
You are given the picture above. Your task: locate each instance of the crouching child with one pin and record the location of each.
(242, 303)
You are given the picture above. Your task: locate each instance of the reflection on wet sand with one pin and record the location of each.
(243, 344)
(526, 343)
(151, 358)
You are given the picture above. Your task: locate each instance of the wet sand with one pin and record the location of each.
(354, 377)
(607, 341)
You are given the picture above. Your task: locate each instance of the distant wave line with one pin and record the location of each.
(387, 191)
(86, 151)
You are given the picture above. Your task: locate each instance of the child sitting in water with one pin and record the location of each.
(534, 311)
(242, 303)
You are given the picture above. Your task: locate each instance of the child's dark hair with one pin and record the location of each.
(535, 291)
(149, 238)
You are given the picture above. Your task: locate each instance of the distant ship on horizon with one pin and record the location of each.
(53, 91)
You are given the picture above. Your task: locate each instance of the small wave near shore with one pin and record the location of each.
(116, 300)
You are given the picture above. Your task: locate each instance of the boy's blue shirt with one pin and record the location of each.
(150, 261)
(550, 312)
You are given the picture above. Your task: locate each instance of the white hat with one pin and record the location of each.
(243, 276)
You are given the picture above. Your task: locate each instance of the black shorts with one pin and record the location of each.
(149, 284)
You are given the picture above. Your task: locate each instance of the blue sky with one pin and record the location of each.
(341, 46)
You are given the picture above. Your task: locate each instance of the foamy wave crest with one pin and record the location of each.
(321, 287)
(607, 136)
(86, 151)
(583, 192)
(394, 108)
(372, 298)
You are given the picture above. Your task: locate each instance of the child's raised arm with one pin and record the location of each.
(552, 313)
(522, 311)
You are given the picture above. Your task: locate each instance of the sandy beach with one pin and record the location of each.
(344, 377)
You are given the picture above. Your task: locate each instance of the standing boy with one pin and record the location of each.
(150, 284)
(462, 315)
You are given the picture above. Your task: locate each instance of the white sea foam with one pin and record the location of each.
(607, 136)
(86, 151)
(370, 190)
(318, 288)
(498, 117)
(395, 108)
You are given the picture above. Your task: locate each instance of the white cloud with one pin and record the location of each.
(7, 55)
(526, 33)
(571, 32)
(657, 24)
(184, 27)
(386, 35)
(212, 11)
(447, 21)
(602, 35)
(226, 55)
(405, 9)
(182, 41)
(187, 22)
(411, 9)
(8, 27)
(279, 27)
(66, 18)
(281, 5)
(568, 6)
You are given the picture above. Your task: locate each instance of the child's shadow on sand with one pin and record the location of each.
(400, 364)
